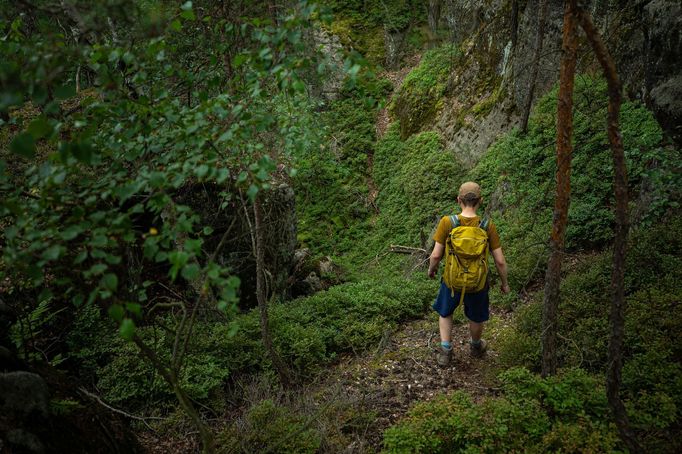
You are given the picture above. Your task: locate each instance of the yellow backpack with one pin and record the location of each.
(466, 257)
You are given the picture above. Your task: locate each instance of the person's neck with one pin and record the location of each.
(469, 212)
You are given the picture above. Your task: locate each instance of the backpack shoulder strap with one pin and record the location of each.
(485, 222)
(454, 220)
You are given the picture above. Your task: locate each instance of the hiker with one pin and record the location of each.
(466, 271)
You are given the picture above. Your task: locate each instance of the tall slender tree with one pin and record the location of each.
(564, 151)
(620, 185)
(262, 293)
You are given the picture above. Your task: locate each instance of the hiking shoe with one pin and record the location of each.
(478, 350)
(444, 356)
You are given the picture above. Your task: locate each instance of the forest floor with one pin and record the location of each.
(403, 371)
(365, 393)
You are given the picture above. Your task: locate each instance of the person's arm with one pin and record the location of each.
(435, 258)
(501, 265)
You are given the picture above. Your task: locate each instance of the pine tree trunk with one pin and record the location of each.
(261, 294)
(613, 377)
(564, 150)
(539, 39)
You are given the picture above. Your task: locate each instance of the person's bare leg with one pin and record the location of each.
(445, 326)
(476, 330)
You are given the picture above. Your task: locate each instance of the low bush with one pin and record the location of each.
(417, 181)
(517, 176)
(652, 371)
(309, 333)
(268, 427)
(565, 413)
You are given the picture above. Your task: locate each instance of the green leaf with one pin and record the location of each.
(24, 145)
(223, 173)
(40, 128)
(109, 281)
(71, 232)
(134, 308)
(188, 15)
(80, 258)
(53, 252)
(252, 192)
(191, 271)
(65, 91)
(176, 25)
(194, 245)
(178, 259)
(202, 170)
(97, 268)
(116, 312)
(82, 151)
(127, 329)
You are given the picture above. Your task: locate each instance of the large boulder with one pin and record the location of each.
(42, 411)
(663, 52)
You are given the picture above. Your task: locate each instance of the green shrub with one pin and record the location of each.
(272, 428)
(559, 414)
(331, 183)
(517, 176)
(308, 332)
(652, 373)
(418, 99)
(417, 182)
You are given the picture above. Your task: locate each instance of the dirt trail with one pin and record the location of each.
(403, 371)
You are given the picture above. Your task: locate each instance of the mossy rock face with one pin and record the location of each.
(418, 99)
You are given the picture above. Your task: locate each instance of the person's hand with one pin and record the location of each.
(432, 274)
(505, 288)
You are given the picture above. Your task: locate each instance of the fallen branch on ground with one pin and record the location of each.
(406, 249)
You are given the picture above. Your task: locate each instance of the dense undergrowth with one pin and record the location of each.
(568, 413)
(309, 332)
(415, 180)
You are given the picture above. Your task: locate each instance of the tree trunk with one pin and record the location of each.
(433, 18)
(613, 377)
(170, 377)
(564, 151)
(539, 38)
(261, 294)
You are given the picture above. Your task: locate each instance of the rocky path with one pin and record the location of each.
(403, 371)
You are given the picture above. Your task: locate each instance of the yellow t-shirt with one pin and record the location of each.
(445, 226)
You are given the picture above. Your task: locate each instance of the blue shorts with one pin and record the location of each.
(476, 305)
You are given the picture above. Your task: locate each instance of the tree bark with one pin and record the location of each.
(564, 150)
(613, 376)
(433, 19)
(170, 377)
(539, 39)
(261, 295)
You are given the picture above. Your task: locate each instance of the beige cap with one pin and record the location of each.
(470, 188)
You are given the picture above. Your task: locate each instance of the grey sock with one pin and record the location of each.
(475, 343)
